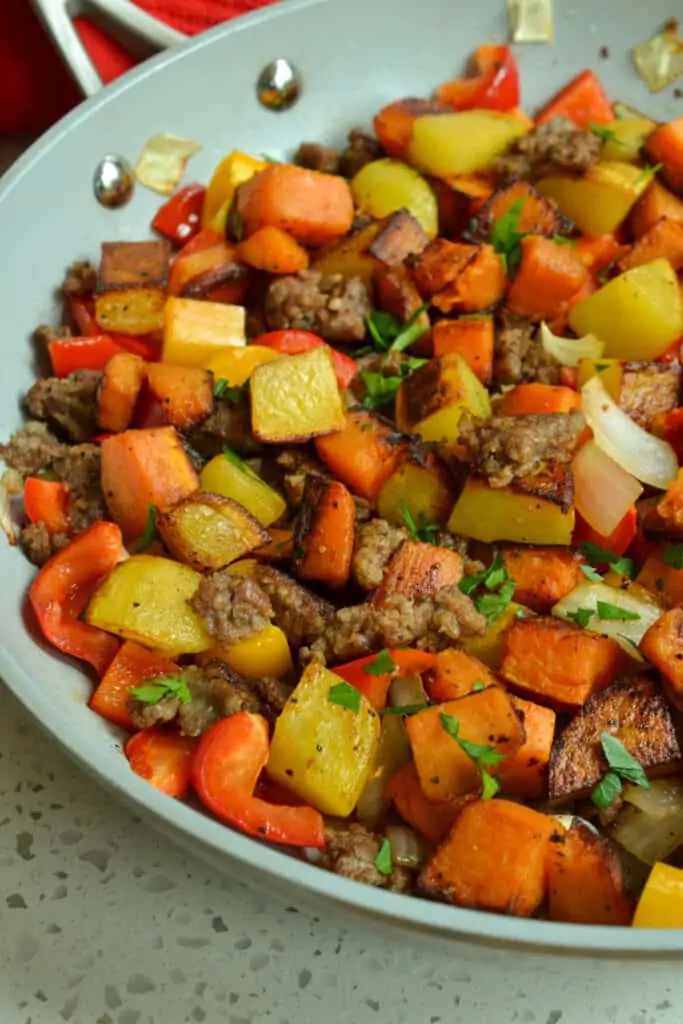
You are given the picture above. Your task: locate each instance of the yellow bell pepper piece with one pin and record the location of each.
(489, 647)
(322, 751)
(228, 476)
(266, 653)
(236, 365)
(146, 599)
(661, 902)
(610, 372)
(232, 171)
(196, 331)
(637, 315)
(523, 516)
(600, 200)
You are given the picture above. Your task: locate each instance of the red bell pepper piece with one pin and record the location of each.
(618, 541)
(583, 101)
(70, 354)
(293, 343)
(132, 665)
(375, 687)
(179, 218)
(495, 86)
(163, 758)
(45, 501)
(229, 760)
(83, 312)
(65, 584)
(204, 239)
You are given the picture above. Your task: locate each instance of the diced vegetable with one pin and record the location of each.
(230, 477)
(146, 599)
(585, 882)
(470, 338)
(664, 240)
(131, 667)
(600, 200)
(650, 826)
(525, 773)
(131, 286)
(494, 86)
(235, 365)
(91, 353)
(637, 315)
(624, 614)
(47, 501)
(419, 570)
(179, 218)
(538, 510)
(420, 488)
(433, 819)
(457, 674)
(196, 331)
(231, 172)
(625, 138)
(610, 372)
(662, 644)
(556, 663)
(655, 203)
(494, 859)
(530, 399)
(274, 251)
(603, 491)
(431, 401)
(321, 750)
(665, 148)
(548, 278)
(208, 531)
(367, 674)
(392, 754)
(460, 143)
(117, 397)
(663, 580)
(364, 252)
(532, 22)
(177, 396)
(387, 186)
(294, 343)
(661, 902)
(142, 468)
(479, 285)
(296, 398)
(583, 101)
(163, 758)
(209, 268)
(313, 208)
(324, 532)
(265, 653)
(162, 162)
(542, 576)
(660, 59)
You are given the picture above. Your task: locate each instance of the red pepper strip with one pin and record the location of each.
(45, 501)
(179, 218)
(495, 86)
(71, 354)
(376, 688)
(204, 239)
(83, 312)
(583, 101)
(293, 343)
(163, 758)
(229, 760)
(619, 540)
(64, 585)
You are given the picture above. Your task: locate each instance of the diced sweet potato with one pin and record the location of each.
(208, 532)
(439, 264)
(662, 580)
(559, 664)
(543, 576)
(363, 454)
(446, 771)
(131, 287)
(419, 570)
(663, 646)
(663, 240)
(494, 859)
(479, 286)
(655, 203)
(396, 294)
(122, 381)
(525, 773)
(456, 674)
(178, 396)
(636, 712)
(296, 398)
(324, 532)
(400, 236)
(550, 275)
(431, 401)
(470, 338)
(538, 215)
(585, 880)
(432, 818)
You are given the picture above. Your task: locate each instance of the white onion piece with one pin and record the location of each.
(532, 21)
(645, 456)
(408, 850)
(660, 59)
(407, 690)
(163, 160)
(394, 751)
(6, 524)
(626, 632)
(649, 839)
(603, 491)
(569, 351)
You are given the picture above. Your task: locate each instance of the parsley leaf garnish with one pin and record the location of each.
(406, 709)
(382, 664)
(581, 616)
(157, 689)
(232, 395)
(493, 605)
(149, 534)
(496, 581)
(622, 766)
(647, 174)
(673, 556)
(478, 686)
(346, 696)
(506, 237)
(389, 334)
(382, 390)
(425, 532)
(596, 555)
(481, 754)
(591, 573)
(384, 860)
(606, 134)
(613, 613)
(240, 464)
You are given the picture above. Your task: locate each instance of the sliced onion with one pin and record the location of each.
(651, 824)
(394, 751)
(10, 484)
(626, 632)
(663, 799)
(645, 456)
(407, 690)
(603, 491)
(569, 351)
(532, 20)
(408, 849)
(162, 161)
(660, 59)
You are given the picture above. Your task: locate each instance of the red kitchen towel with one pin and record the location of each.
(35, 87)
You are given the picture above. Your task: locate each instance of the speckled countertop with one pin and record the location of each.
(102, 922)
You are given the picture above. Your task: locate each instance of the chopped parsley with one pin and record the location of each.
(482, 755)
(673, 556)
(623, 767)
(406, 709)
(382, 390)
(240, 464)
(563, 240)
(581, 616)
(596, 555)
(495, 587)
(164, 686)
(382, 664)
(506, 238)
(346, 696)
(383, 860)
(389, 334)
(606, 134)
(647, 174)
(149, 534)
(478, 686)
(591, 573)
(425, 532)
(232, 395)
(613, 613)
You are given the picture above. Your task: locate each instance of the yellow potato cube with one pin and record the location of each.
(600, 200)
(196, 331)
(296, 398)
(461, 143)
(386, 186)
(431, 401)
(208, 531)
(627, 139)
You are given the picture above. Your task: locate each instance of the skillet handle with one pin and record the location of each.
(55, 17)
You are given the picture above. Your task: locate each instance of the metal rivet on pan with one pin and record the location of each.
(113, 181)
(279, 85)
